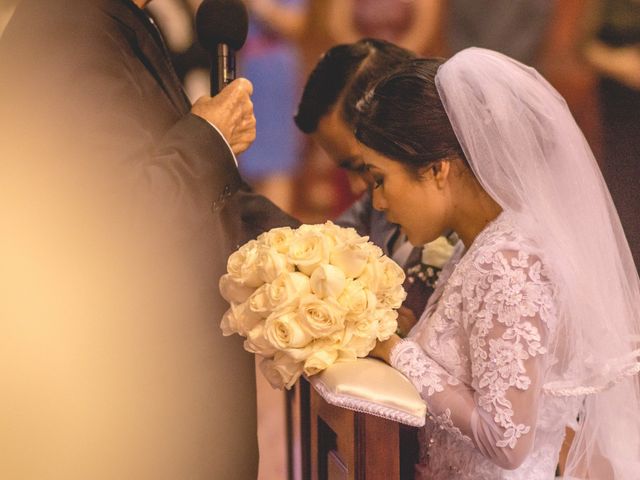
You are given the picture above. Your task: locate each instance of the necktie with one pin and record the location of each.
(417, 288)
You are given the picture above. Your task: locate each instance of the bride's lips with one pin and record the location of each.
(391, 220)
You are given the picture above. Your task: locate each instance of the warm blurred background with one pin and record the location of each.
(588, 49)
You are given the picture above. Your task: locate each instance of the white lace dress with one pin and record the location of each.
(478, 357)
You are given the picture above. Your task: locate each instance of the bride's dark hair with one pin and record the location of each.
(402, 117)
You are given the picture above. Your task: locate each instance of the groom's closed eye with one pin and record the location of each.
(352, 165)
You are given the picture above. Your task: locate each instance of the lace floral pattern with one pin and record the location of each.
(479, 355)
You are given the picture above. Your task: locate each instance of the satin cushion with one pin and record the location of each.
(371, 386)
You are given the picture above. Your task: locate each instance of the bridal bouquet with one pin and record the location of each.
(306, 298)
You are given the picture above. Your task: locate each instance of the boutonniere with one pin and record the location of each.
(435, 255)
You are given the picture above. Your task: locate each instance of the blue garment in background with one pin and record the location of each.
(272, 65)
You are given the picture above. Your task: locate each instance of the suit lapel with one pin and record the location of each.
(150, 48)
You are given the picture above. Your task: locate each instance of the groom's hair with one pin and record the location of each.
(343, 74)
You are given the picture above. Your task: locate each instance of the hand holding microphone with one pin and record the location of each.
(222, 27)
(231, 111)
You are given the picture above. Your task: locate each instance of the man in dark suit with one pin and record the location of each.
(120, 202)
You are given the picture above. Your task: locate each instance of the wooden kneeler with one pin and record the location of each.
(363, 418)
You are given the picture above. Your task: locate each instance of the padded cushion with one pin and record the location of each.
(371, 386)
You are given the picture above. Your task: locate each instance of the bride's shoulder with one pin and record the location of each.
(503, 245)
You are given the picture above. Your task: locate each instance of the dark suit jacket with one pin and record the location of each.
(121, 209)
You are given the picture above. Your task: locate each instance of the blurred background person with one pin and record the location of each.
(614, 53)
(271, 60)
(515, 28)
(410, 24)
(546, 34)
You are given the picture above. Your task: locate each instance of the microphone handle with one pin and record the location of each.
(223, 68)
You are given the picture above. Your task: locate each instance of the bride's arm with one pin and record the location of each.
(498, 411)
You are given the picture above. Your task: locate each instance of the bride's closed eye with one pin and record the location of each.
(376, 178)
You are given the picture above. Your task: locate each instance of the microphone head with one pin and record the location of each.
(222, 21)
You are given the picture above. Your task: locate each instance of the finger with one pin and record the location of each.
(249, 135)
(246, 136)
(241, 147)
(245, 124)
(246, 112)
(243, 85)
(249, 122)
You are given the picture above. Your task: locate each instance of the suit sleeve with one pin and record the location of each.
(98, 110)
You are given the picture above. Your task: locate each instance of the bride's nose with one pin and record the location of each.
(379, 202)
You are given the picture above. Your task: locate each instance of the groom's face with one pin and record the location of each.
(337, 140)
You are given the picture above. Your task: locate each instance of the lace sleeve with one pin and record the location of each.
(507, 311)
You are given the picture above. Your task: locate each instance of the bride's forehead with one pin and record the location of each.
(374, 157)
(380, 162)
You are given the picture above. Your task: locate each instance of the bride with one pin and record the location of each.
(535, 328)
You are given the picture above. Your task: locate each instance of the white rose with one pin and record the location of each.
(350, 235)
(302, 353)
(341, 235)
(387, 323)
(256, 342)
(357, 347)
(270, 263)
(319, 361)
(351, 258)
(238, 258)
(239, 319)
(364, 325)
(321, 317)
(375, 251)
(393, 274)
(371, 276)
(287, 289)
(233, 290)
(281, 371)
(310, 228)
(267, 367)
(308, 249)
(229, 323)
(357, 299)
(277, 238)
(327, 281)
(392, 298)
(259, 302)
(242, 264)
(437, 253)
(283, 330)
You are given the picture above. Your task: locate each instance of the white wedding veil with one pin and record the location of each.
(527, 152)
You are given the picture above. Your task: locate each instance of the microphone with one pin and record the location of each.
(222, 27)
